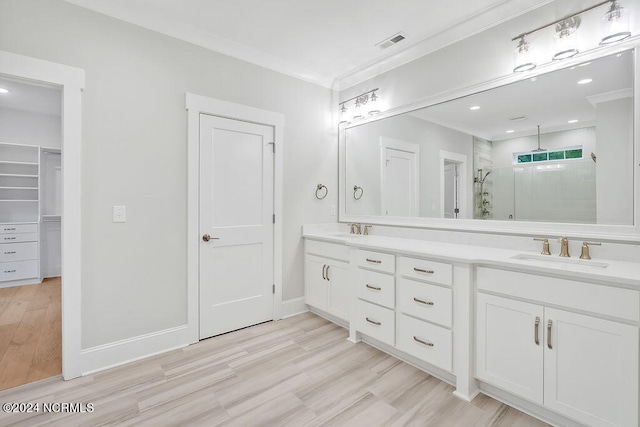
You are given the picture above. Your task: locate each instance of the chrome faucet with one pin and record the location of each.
(564, 247)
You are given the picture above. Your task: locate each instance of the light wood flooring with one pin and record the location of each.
(30, 333)
(300, 371)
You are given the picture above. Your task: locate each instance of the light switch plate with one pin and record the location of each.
(119, 214)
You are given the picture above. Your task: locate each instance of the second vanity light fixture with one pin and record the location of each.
(615, 27)
(365, 104)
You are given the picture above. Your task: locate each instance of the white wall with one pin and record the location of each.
(363, 161)
(135, 154)
(27, 128)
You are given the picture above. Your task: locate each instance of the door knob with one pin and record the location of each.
(206, 238)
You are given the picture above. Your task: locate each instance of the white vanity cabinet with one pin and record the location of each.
(326, 272)
(554, 342)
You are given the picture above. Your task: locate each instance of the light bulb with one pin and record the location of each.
(566, 39)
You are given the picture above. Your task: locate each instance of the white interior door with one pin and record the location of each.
(236, 224)
(451, 190)
(399, 173)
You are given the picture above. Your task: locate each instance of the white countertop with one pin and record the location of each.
(621, 273)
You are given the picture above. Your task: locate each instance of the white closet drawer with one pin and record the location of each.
(376, 322)
(376, 287)
(18, 251)
(431, 271)
(17, 238)
(428, 302)
(18, 228)
(18, 270)
(377, 261)
(425, 341)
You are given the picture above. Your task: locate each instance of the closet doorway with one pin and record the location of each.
(30, 232)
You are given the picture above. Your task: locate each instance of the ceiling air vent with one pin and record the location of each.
(518, 118)
(396, 38)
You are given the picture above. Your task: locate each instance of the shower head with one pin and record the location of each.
(485, 176)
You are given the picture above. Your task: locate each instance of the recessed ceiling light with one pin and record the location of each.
(509, 131)
(3, 90)
(534, 79)
(584, 81)
(573, 121)
(475, 107)
(582, 65)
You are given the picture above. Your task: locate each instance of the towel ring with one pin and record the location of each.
(355, 192)
(319, 189)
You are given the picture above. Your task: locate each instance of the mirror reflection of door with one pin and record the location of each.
(399, 172)
(451, 190)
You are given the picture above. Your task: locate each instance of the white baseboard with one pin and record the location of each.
(118, 353)
(293, 306)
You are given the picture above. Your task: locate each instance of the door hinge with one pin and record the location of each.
(274, 288)
(274, 218)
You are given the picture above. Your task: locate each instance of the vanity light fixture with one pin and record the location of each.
(367, 103)
(566, 38)
(523, 56)
(3, 90)
(615, 24)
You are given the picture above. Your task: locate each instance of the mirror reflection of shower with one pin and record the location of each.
(482, 195)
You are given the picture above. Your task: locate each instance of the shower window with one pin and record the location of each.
(537, 157)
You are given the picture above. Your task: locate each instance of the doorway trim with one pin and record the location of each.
(461, 159)
(71, 80)
(196, 105)
(408, 147)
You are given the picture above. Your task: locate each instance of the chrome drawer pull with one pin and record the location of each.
(376, 261)
(549, 334)
(535, 332)
(420, 270)
(10, 229)
(375, 288)
(9, 238)
(10, 253)
(427, 343)
(373, 322)
(423, 302)
(9, 271)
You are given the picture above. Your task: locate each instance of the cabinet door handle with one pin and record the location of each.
(10, 253)
(373, 322)
(422, 301)
(549, 334)
(327, 274)
(9, 271)
(420, 270)
(375, 288)
(375, 261)
(9, 238)
(427, 343)
(324, 277)
(535, 332)
(10, 229)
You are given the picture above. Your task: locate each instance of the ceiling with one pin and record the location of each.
(322, 41)
(29, 97)
(550, 100)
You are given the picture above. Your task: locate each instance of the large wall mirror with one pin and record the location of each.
(554, 148)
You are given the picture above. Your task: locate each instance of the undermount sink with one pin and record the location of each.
(560, 262)
(343, 234)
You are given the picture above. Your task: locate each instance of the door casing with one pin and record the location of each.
(196, 105)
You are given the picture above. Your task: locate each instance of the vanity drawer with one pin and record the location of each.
(422, 269)
(18, 251)
(376, 322)
(17, 238)
(18, 228)
(377, 261)
(600, 299)
(375, 287)
(428, 302)
(327, 250)
(425, 341)
(18, 270)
